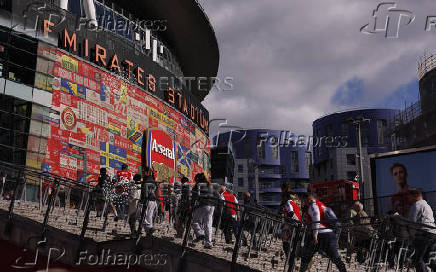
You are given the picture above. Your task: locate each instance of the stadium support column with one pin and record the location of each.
(90, 12)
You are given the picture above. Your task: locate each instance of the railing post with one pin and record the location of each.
(50, 203)
(19, 180)
(188, 228)
(86, 219)
(238, 242)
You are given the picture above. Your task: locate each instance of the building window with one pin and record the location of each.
(308, 157)
(240, 168)
(329, 130)
(246, 147)
(261, 147)
(351, 159)
(344, 128)
(241, 182)
(294, 162)
(381, 129)
(351, 175)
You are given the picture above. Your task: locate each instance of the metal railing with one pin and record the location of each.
(371, 243)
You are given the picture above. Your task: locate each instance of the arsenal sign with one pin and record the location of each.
(160, 153)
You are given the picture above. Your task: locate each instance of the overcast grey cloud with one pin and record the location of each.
(294, 61)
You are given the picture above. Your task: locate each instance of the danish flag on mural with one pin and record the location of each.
(160, 149)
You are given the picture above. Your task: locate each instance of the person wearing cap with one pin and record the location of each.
(321, 237)
(202, 217)
(230, 213)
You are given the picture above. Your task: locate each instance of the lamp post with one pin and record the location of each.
(357, 122)
(255, 167)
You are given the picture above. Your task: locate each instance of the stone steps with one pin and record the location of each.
(71, 221)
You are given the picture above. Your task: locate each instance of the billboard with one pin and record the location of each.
(421, 174)
(98, 119)
(160, 152)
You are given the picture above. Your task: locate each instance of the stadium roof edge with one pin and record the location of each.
(189, 33)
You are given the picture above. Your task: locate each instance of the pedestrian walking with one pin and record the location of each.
(203, 211)
(321, 237)
(148, 198)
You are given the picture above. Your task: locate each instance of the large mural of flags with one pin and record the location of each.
(99, 120)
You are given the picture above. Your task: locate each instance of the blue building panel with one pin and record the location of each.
(278, 161)
(337, 127)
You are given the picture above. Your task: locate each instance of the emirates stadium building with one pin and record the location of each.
(87, 84)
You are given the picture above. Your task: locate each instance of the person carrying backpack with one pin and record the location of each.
(321, 237)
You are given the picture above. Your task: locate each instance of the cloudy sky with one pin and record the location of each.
(293, 61)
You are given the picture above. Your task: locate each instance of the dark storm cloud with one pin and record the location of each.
(289, 59)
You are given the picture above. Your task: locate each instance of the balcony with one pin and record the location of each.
(271, 173)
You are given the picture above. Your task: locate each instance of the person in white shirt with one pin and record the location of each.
(424, 231)
(323, 238)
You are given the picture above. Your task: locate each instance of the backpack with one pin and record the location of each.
(330, 219)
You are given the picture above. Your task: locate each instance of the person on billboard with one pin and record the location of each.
(202, 217)
(230, 214)
(148, 199)
(123, 179)
(134, 197)
(321, 237)
(423, 233)
(400, 200)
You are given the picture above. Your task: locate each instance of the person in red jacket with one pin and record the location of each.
(292, 216)
(230, 214)
(320, 237)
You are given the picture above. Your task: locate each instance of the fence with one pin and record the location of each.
(371, 243)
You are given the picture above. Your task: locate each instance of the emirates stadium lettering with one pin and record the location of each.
(160, 149)
(119, 60)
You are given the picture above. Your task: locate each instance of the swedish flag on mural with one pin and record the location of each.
(112, 156)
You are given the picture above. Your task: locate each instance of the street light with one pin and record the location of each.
(255, 167)
(357, 121)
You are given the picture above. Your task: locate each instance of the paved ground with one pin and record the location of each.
(269, 259)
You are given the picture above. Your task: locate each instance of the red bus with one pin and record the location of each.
(337, 194)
